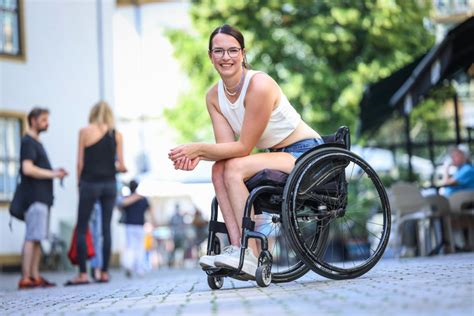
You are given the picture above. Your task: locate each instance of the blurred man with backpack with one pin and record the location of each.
(37, 182)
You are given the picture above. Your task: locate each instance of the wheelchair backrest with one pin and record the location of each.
(342, 136)
(341, 139)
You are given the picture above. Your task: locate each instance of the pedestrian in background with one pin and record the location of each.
(95, 225)
(100, 156)
(149, 244)
(37, 180)
(200, 226)
(463, 178)
(134, 207)
(178, 232)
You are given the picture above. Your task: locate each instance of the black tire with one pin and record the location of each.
(342, 193)
(286, 266)
(263, 276)
(215, 283)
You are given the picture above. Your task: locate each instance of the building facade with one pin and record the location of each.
(65, 66)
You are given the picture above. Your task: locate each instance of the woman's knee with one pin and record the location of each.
(218, 169)
(233, 171)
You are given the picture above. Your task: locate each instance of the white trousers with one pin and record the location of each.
(134, 255)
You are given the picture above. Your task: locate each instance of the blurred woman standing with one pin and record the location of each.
(99, 158)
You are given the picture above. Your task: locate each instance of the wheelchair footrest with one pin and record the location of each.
(225, 272)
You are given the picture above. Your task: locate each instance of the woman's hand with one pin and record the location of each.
(120, 167)
(186, 164)
(189, 151)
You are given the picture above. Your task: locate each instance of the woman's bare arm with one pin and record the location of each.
(259, 102)
(120, 165)
(80, 154)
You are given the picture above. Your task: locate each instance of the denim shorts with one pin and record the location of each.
(299, 148)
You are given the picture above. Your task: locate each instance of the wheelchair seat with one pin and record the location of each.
(267, 201)
(267, 177)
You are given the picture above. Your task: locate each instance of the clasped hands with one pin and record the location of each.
(185, 157)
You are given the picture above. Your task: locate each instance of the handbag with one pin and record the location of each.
(72, 253)
(20, 202)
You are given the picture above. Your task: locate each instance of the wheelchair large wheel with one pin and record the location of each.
(286, 266)
(335, 195)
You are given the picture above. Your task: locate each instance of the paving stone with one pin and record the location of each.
(441, 285)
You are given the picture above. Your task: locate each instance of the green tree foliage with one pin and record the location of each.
(322, 53)
(427, 113)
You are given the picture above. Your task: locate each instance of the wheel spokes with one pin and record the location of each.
(343, 205)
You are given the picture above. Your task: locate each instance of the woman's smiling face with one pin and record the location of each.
(223, 62)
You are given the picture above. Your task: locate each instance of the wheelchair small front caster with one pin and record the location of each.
(263, 276)
(215, 283)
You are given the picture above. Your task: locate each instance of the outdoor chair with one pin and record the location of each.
(440, 207)
(410, 205)
(462, 207)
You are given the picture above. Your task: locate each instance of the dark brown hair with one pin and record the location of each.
(133, 185)
(235, 33)
(35, 113)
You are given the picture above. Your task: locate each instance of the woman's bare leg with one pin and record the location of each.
(231, 222)
(237, 170)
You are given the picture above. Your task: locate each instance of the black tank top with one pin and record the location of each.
(99, 159)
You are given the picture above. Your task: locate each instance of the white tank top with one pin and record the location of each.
(282, 123)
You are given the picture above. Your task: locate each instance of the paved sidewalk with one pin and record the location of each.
(441, 285)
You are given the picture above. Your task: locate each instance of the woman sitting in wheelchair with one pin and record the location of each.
(248, 109)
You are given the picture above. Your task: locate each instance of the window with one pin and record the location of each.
(11, 29)
(136, 2)
(11, 128)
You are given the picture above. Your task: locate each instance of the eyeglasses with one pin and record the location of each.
(232, 52)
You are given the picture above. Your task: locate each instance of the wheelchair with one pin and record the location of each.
(331, 215)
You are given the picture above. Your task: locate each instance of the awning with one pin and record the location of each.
(404, 89)
(375, 106)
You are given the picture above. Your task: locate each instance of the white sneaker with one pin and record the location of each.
(230, 258)
(207, 262)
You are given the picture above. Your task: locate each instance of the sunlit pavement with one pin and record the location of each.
(440, 285)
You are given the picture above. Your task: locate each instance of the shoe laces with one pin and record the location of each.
(229, 249)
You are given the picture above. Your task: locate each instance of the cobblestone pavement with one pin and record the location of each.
(441, 285)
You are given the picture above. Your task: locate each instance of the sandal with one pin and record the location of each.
(95, 274)
(104, 277)
(26, 283)
(76, 282)
(42, 282)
